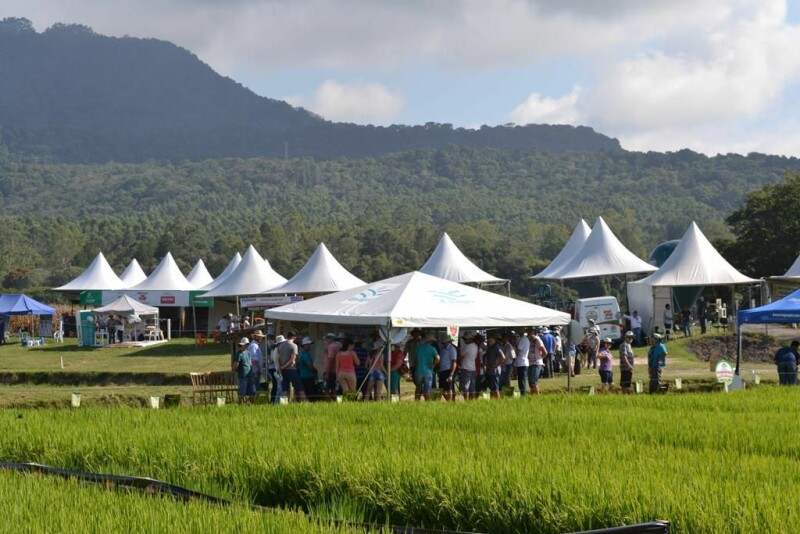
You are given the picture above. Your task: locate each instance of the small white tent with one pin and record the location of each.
(98, 276)
(602, 255)
(694, 262)
(574, 244)
(417, 299)
(794, 270)
(133, 274)
(322, 273)
(166, 277)
(124, 305)
(232, 265)
(448, 262)
(199, 276)
(252, 276)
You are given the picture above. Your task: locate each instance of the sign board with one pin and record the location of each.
(151, 298)
(92, 298)
(724, 372)
(262, 303)
(200, 302)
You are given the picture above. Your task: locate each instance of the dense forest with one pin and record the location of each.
(509, 211)
(76, 96)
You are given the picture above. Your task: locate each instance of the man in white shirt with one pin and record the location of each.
(448, 364)
(521, 362)
(667, 321)
(636, 326)
(466, 367)
(535, 362)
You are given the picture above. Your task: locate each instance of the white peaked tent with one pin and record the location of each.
(417, 299)
(794, 270)
(575, 243)
(133, 274)
(322, 273)
(448, 262)
(166, 277)
(601, 255)
(124, 305)
(98, 276)
(199, 276)
(694, 262)
(252, 276)
(232, 265)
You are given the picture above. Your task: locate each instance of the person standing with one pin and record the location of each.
(494, 359)
(549, 344)
(592, 343)
(307, 369)
(411, 350)
(332, 348)
(241, 366)
(377, 372)
(558, 356)
(257, 363)
(396, 363)
(668, 317)
(509, 355)
(272, 368)
(521, 362)
(702, 314)
(636, 327)
(466, 367)
(346, 361)
(287, 362)
(448, 364)
(606, 369)
(535, 364)
(426, 358)
(656, 361)
(786, 360)
(626, 363)
(688, 319)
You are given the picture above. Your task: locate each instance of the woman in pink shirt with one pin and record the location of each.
(346, 362)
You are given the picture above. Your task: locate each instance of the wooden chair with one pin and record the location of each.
(208, 385)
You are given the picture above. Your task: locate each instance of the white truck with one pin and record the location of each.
(605, 313)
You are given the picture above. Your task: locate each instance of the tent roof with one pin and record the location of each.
(322, 273)
(448, 262)
(574, 244)
(252, 276)
(417, 299)
(695, 262)
(601, 255)
(232, 265)
(133, 274)
(166, 277)
(199, 276)
(99, 275)
(19, 304)
(794, 270)
(126, 305)
(785, 310)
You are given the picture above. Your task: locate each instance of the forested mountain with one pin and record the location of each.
(509, 211)
(76, 96)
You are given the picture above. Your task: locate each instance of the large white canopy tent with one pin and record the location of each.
(133, 274)
(448, 262)
(199, 275)
(322, 273)
(98, 276)
(166, 277)
(252, 276)
(573, 246)
(129, 312)
(232, 265)
(694, 262)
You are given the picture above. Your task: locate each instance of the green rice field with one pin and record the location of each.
(709, 462)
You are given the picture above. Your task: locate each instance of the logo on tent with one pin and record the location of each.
(451, 297)
(371, 293)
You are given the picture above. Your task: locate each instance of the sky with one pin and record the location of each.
(713, 76)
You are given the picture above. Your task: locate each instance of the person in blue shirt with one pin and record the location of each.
(786, 359)
(427, 358)
(656, 361)
(549, 342)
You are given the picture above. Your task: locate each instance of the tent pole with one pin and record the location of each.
(388, 365)
(738, 346)
(194, 322)
(570, 361)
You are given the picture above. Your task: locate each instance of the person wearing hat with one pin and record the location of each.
(494, 359)
(535, 363)
(606, 364)
(426, 359)
(448, 365)
(592, 344)
(521, 362)
(256, 363)
(549, 343)
(242, 366)
(274, 373)
(287, 363)
(307, 370)
(332, 348)
(466, 366)
(626, 363)
(656, 361)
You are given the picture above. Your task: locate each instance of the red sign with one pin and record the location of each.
(142, 297)
(167, 300)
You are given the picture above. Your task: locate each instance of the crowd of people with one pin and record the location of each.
(474, 363)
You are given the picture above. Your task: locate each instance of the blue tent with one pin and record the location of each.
(785, 310)
(23, 305)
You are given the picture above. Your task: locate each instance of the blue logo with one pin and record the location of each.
(456, 296)
(369, 294)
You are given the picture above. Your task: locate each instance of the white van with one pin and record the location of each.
(605, 313)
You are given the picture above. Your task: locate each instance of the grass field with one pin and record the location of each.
(707, 463)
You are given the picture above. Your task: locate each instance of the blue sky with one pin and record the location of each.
(710, 75)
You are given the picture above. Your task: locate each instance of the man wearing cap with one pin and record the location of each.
(592, 343)
(466, 367)
(605, 368)
(521, 362)
(494, 359)
(535, 363)
(332, 348)
(656, 361)
(426, 360)
(256, 362)
(626, 363)
(549, 343)
(448, 364)
(241, 366)
(287, 362)
(786, 359)
(307, 369)
(274, 373)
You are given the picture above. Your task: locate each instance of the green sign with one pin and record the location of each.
(91, 298)
(200, 302)
(724, 372)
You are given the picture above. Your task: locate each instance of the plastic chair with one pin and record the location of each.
(58, 336)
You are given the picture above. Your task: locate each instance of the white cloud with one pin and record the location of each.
(356, 102)
(542, 110)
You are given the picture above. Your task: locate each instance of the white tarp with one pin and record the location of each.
(794, 270)
(199, 276)
(252, 276)
(417, 299)
(124, 305)
(448, 262)
(98, 276)
(322, 273)
(602, 255)
(166, 277)
(133, 274)
(573, 246)
(232, 265)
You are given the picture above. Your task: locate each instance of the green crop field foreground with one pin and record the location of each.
(706, 462)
